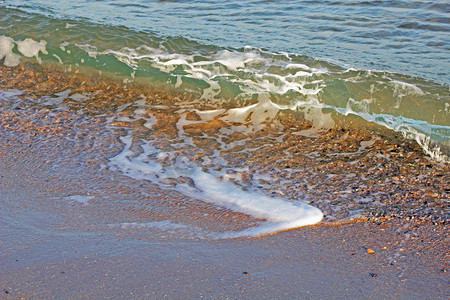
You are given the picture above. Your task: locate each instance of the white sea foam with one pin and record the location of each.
(412, 129)
(6, 46)
(27, 47)
(171, 169)
(30, 47)
(233, 65)
(68, 25)
(213, 187)
(402, 89)
(218, 187)
(243, 74)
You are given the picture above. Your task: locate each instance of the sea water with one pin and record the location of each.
(383, 62)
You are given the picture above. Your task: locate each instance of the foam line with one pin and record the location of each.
(279, 214)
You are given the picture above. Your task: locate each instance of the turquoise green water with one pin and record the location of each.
(408, 37)
(385, 61)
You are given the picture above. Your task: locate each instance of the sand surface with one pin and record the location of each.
(54, 243)
(73, 228)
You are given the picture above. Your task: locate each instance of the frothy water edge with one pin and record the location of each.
(419, 113)
(192, 181)
(182, 163)
(321, 92)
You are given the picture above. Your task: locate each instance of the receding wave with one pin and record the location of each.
(417, 108)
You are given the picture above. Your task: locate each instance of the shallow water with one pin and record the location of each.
(409, 37)
(414, 106)
(258, 169)
(241, 109)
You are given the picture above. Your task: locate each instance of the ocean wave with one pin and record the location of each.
(415, 107)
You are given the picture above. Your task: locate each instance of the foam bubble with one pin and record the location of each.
(27, 47)
(6, 46)
(256, 115)
(403, 89)
(30, 48)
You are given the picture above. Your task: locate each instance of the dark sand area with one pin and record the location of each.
(62, 211)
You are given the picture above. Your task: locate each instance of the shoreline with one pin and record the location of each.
(352, 170)
(53, 247)
(74, 228)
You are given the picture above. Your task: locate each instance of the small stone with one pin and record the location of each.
(373, 275)
(370, 251)
(245, 273)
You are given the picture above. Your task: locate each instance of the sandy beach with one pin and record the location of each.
(51, 250)
(62, 212)
(224, 149)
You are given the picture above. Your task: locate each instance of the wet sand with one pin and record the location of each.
(61, 209)
(54, 248)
